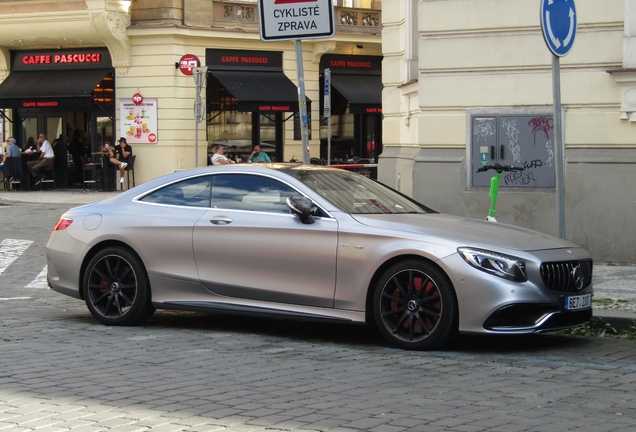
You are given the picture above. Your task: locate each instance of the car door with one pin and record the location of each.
(162, 232)
(250, 246)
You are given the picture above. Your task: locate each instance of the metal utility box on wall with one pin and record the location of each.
(519, 140)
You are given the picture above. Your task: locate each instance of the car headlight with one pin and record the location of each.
(507, 267)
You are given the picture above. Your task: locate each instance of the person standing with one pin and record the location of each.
(119, 156)
(257, 155)
(47, 157)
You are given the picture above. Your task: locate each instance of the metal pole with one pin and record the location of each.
(329, 141)
(302, 100)
(196, 132)
(199, 74)
(327, 104)
(559, 147)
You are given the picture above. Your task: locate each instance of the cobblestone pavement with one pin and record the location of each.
(617, 283)
(61, 370)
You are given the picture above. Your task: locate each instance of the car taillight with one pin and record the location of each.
(62, 224)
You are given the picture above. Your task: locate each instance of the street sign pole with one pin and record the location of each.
(558, 25)
(302, 100)
(296, 19)
(327, 111)
(199, 74)
(559, 148)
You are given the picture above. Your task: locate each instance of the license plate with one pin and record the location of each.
(578, 302)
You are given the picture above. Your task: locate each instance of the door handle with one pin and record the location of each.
(501, 154)
(221, 220)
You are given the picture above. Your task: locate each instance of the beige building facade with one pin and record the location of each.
(470, 81)
(140, 45)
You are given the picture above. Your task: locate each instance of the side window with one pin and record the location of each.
(194, 192)
(250, 192)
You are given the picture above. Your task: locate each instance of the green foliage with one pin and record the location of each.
(598, 327)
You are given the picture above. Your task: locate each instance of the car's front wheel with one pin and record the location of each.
(415, 306)
(116, 287)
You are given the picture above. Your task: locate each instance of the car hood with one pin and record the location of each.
(465, 231)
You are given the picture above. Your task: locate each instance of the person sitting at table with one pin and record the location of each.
(12, 151)
(218, 158)
(47, 157)
(119, 156)
(257, 155)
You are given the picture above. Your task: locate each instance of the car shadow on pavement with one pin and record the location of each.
(359, 336)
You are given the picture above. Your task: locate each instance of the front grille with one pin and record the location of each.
(567, 276)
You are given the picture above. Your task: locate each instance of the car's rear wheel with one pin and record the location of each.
(415, 306)
(116, 287)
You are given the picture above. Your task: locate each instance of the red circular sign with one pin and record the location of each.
(187, 63)
(152, 137)
(137, 98)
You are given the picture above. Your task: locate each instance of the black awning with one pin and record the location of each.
(364, 92)
(50, 88)
(259, 91)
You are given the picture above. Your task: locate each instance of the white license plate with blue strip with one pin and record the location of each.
(578, 302)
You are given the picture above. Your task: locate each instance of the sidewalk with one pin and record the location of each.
(68, 196)
(614, 286)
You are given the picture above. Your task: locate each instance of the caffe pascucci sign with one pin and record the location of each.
(38, 60)
(62, 58)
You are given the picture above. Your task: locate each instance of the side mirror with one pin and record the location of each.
(301, 207)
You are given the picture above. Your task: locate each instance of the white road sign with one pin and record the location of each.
(296, 19)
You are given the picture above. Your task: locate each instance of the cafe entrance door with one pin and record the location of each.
(71, 133)
(30, 126)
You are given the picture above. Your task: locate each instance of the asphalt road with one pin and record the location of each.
(61, 370)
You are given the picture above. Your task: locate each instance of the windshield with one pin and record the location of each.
(356, 194)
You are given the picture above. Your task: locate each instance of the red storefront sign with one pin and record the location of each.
(70, 59)
(62, 58)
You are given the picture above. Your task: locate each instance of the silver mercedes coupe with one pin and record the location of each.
(313, 243)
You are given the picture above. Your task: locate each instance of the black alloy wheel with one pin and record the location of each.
(116, 288)
(415, 306)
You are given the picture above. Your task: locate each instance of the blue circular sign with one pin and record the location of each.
(558, 24)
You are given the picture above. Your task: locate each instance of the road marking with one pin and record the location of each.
(15, 298)
(10, 250)
(40, 281)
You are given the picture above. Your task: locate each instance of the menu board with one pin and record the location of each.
(139, 121)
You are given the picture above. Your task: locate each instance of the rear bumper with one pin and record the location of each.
(64, 256)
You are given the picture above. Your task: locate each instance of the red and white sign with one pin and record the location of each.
(187, 63)
(137, 99)
(139, 121)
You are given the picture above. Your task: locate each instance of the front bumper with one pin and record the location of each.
(532, 317)
(490, 304)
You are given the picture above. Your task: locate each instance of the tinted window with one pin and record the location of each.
(354, 193)
(194, 192)
(250, 192)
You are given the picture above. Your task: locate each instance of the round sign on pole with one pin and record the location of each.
(187, 63)
(558, 24)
